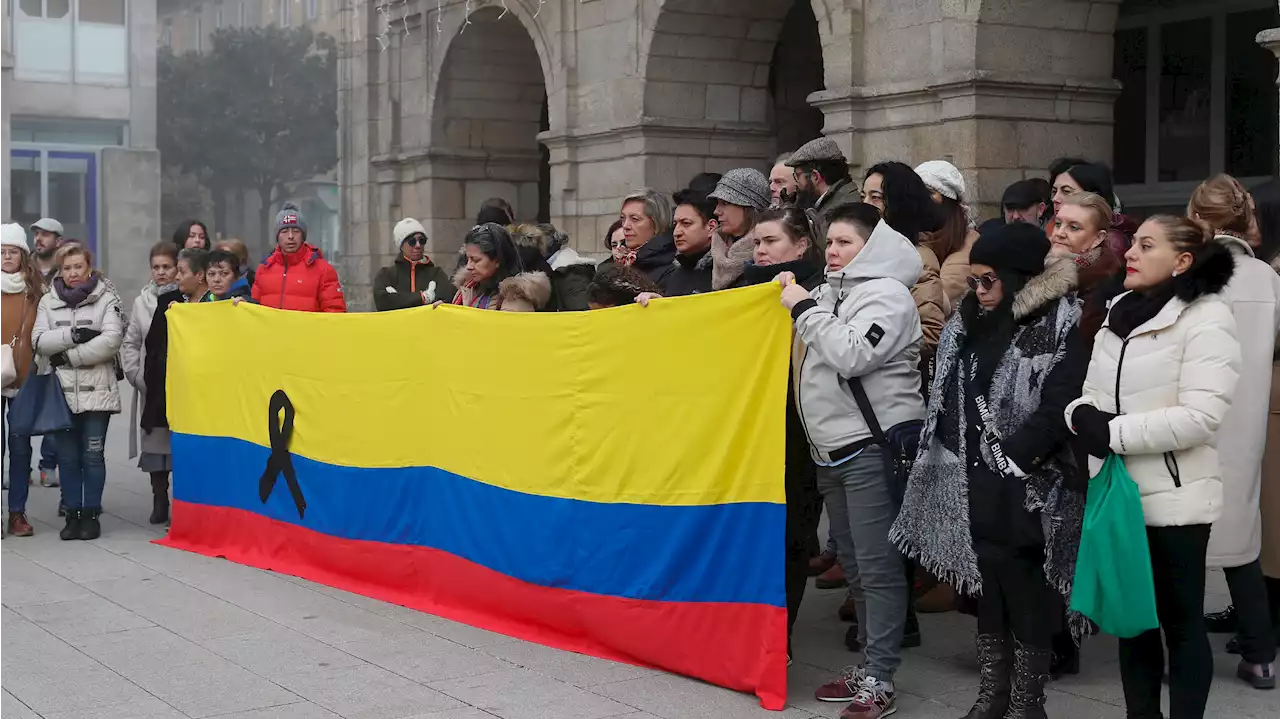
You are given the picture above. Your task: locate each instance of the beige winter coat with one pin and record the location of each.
(89, 377)
(133, 357)
(1270, 494)
(1254, 297)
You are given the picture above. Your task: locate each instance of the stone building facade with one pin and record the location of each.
(564, 106)
(78, 124)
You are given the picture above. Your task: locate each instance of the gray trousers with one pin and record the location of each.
(861, 509)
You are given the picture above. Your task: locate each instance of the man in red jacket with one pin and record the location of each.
(296, 276)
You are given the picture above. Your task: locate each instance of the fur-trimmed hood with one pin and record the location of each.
(531, 287)
(1060, 278)
(1209, 274)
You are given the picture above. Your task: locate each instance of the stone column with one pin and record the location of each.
(6, 79)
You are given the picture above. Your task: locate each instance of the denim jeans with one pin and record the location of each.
(80, 457)
(19, 451)
(861, 509)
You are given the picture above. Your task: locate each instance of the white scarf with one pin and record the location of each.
(13, 283)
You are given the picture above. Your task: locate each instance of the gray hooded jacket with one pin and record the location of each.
(862, 323)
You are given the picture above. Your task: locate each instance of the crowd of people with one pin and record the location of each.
(954, 386)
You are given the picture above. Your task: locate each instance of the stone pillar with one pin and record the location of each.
(5, 94)
(130, 215)
(997, 88)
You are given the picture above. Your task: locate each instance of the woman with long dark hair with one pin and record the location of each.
(491, 258)
(191, 234)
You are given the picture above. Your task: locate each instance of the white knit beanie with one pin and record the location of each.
(405, 229)
(943, 178)
(12, 235)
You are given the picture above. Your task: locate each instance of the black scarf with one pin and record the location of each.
(1136, 308)
(804, 269)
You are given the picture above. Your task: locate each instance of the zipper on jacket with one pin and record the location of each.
(1171, 464)
(284, 282)
(1119, 367)
(75, 371)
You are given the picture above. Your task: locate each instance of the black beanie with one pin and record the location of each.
(1016, 246)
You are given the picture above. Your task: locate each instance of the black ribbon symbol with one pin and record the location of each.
(280, 459)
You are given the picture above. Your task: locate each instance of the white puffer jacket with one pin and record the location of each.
(89, 377)
(1174, 377)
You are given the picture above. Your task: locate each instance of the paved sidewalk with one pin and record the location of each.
(123, 629)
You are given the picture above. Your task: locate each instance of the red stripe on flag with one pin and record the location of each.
(739, 646)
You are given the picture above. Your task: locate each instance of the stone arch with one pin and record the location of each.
(738, 70)
(491, 84)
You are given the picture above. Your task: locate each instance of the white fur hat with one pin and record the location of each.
(12, 235)
(943, 178)
(405, 229)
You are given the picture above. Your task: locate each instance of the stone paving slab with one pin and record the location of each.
(121, 628)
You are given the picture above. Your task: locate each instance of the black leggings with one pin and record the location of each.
(1015, 599)
(1253, 612)
(804, 511)
(1177, 563)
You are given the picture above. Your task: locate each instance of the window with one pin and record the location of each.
(241, 15)
(56, 183)
(166, 35)
(313, 9)
(199, 32)
(1198, 97)
(217, 17)
(83, 41)
(284, 13)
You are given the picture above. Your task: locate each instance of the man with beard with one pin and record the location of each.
(48, 235)
(822, 179)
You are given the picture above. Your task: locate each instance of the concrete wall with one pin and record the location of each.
(130, 216)
(651, 92)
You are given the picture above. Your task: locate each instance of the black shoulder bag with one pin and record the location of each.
(900, 444)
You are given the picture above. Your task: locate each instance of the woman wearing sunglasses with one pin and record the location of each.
(993, 506)
(413, 280)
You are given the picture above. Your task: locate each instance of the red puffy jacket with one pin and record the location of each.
(303, 281)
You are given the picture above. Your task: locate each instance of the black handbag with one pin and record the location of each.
(901, 442)
(40, 407)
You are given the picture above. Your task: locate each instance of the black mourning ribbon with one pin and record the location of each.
(280, 459)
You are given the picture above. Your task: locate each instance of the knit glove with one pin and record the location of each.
(1092, 425)
(59, 360)
(80, 335)
(429, 294)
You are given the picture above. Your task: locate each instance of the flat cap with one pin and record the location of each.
(819, 150)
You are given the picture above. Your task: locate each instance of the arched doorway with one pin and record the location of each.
(742, 79)
(490, 104)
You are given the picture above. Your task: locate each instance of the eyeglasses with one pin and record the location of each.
(415, 240)
(987, 281)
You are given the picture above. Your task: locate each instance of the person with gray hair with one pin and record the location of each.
(647, 243)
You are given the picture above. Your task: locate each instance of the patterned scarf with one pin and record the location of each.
(933, 526)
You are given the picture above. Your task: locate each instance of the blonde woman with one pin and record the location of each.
(79, 328)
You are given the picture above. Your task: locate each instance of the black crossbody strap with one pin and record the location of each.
(868, 414)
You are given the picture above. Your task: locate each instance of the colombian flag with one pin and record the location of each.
(605, 482)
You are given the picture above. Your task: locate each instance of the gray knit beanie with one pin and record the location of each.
(290, 216)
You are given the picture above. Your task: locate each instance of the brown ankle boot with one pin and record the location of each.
(19, 526)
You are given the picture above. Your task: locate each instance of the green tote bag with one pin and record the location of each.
(1113, 585)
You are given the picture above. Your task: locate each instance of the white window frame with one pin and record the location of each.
(199, 28)
(242, 14)
(313, 9)
(218, 18)
(284, 13)
(73, 78)
(1152, 192)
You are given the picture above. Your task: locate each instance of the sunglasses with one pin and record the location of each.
(987, 281)
(416, 240)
